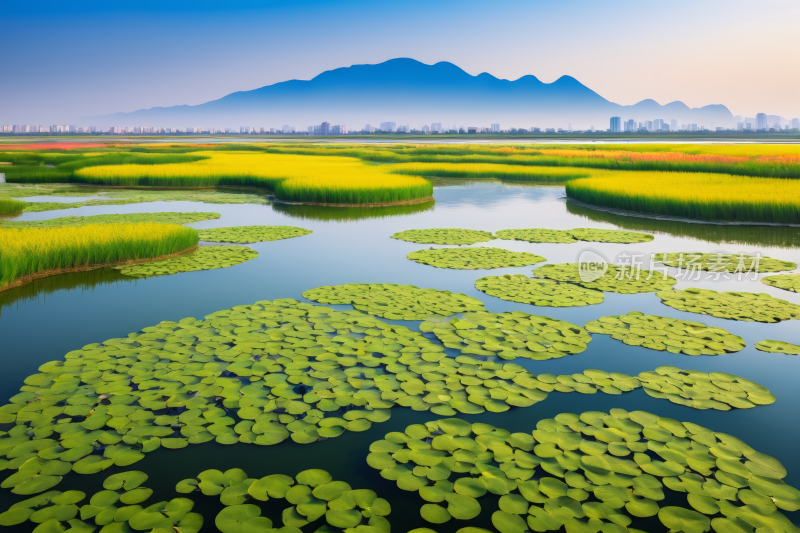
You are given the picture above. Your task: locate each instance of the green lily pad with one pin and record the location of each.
(395, 301)
(125, 480)
(670, 334)
(474, 258)
(313, 478)
(539, 292)
(204, 258)
(435, 514)
(537, 235)
(722, 262)
(774, 346)
(744, 306)
(680, 519)
(621, 279)
(242, 519)
(444, 236)
(787, 282)
(249, 234)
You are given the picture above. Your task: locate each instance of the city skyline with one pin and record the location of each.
(135, 73)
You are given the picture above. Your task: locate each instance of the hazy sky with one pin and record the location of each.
(66, 59)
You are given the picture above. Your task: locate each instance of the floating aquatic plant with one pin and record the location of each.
(723, 262)
(745, 306)
(444, 236)
(621, 279)
(204, 258)
(787, 282)
(774, 346)
(567, 236)
(395, 302)
(589, 472)
(474, 258)
(249, 234)
(540, 292)
(664, 333)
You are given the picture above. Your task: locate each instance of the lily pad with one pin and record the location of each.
(744, 306)
(250, 234)
(204, 258)
(664, 333)
(539, 292)
(620, 279)
(723, 262)
(474, 258)
(787, 282)
(774, 346)
(400, 302)
(444, 236)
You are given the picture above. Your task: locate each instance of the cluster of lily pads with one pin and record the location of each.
(264, 373)
(474, 258)
(744, 306)
(204, 258)
(539, 235)
(395, 302)
(787, 282)
(774, 346)
(116, 509)
(574, 235)
(590, 472)
(540, 292)
(444, 236)
(509, 335)
(620, 279)
(310, 496)
(250, 234)
(663, 333)
(722, 262)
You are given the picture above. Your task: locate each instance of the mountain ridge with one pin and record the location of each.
(407, 91)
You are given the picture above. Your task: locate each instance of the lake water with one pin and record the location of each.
(42, 321)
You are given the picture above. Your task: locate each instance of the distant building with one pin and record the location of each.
(388, 126)
(425, 128)
(436, 127)
(761, 121)
(673, 125)
(550, 130)
(693, 127)
(288, 129)
(325, 128)
(495, 128)
(472, 129)
(795, 123)
(740, 126)
(535, 130)
(369, 129)
(630, 125)
(616, 125)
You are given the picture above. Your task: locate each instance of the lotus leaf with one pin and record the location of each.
(787, 282)
(435, 514)
(249, 234)
(537, 235)
(573, 235)
(405, 302)
(474, 258)
(624, 279)
(744, 306)
(444, 236)
(204, 258)
(723, 262)
(539, 292)
(670, 334)
(773, 346)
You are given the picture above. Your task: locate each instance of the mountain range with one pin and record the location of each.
(407, 91)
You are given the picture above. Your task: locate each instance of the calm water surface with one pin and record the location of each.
(42, 321)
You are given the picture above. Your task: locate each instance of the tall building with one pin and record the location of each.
(630, 125)
(616, 125)
(325, 128)
(388, 126)
(288, 129)
(761, 121)
(369, 129)
(436, 127)
(495, 128)
(426, 128)
(795, 123)
(673, 125)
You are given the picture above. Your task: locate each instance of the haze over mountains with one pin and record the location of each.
(406, 91)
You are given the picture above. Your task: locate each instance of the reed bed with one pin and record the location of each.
(693, 195)
(342, 180)
(9, 206)
(486, 170)
(28, 251)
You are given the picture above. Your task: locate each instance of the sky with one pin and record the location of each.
(62, 60)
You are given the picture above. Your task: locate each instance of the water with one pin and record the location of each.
(42, 321)
(62, 199)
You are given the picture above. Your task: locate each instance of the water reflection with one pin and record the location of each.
(764, 236)
(37, 290)
(349, 214)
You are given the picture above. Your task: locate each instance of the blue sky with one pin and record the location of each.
(67, 59)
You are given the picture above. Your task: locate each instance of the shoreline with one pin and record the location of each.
(653, 216)
(379, 204)
(52, 272)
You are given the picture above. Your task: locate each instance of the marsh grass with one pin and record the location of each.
(28, 251)
(10, 207)
(486, 170)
